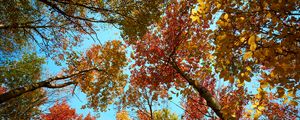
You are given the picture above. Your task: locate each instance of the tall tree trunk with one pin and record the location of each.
(204, 93)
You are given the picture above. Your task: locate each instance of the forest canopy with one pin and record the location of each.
(211, 59)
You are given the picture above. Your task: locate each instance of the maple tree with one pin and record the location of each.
(62, 111)
(56, 27)
(182, 51)
(98, 74)
(227, 59)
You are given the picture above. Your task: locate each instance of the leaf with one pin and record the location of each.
(248, 68)
(291, 94)
(261, 108)
(257, 114)
(231, 79)
(247, 55)
(226, 16)
(252, 43)
(294, 103)
(280, 92)
(242, 39)
(263, 84)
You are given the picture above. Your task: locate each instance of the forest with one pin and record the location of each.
(170, 59)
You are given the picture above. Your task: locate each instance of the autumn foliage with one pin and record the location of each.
(223, 59)
(62, 111)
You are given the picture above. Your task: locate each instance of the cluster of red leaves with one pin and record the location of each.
(2, 90)
(142, 115)
(233, 101)
(62, 111)
(172, 42)
(277, 110)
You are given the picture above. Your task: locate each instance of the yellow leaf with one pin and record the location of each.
(247, 55)
(248, 68)
(194, 18)
(250, 111)
(253, 47)
(263, 84)
(252, 43)
(251, 39)
(200, 1)
(242, 39)
(242, 18)
(294, 103)
(240, 84)
(269, 15)
(218, 5)
(257, 115)
(285, 101)
(258, 96)
(261, 108)
(291, 94)
(226, 16)
(194, 12)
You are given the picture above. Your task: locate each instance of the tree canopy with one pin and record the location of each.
(223, 59)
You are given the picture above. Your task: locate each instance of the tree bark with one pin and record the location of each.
(204, 93)
(19, 91)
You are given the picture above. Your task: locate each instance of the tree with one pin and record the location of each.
(16, 73)
(257, 38)
(98, 74)
(58, 26)
(183, 51)
(143, 100)
(62, 111)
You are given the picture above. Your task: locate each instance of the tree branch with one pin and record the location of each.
(47, 83)
(56, 8)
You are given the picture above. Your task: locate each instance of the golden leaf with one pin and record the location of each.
(252, 43)
(294, 103)
(242, 39)
(226, 16)
(247, 55)
(248, 68)
(257, 115)
(291, 94)
(261, 108)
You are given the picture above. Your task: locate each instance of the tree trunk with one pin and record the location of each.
(204, 93)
